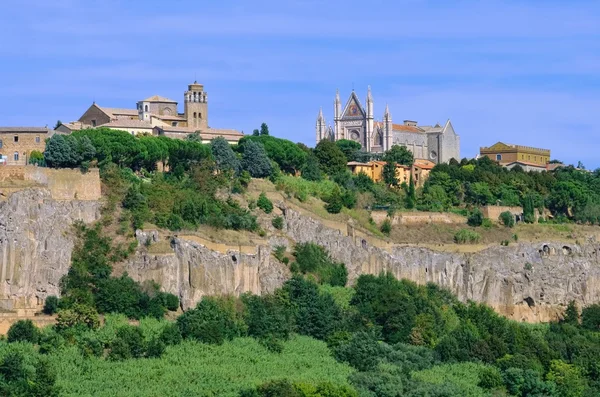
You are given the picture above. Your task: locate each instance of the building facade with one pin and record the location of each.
(509, 154)
(356, 122)
(374, 169)
(17, 143)
(155, 115)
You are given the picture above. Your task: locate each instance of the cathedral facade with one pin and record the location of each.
(356, 122)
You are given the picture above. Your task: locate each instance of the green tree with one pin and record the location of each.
(264, 203)
(569, 379)
(331, 159)
(269, 317)
(311, 170)
(571, 314)
(194, 137)
(590, 317)
(211, 321)
(255, 160)
(411, 194)
(288, 155)
(399, 154)
(507, 218)
(23, 331)
(50, 305)
(479, 193)
(528, 209)
(224, 156)
(349, 148)
(389, 174)
(434, 199)
(264, 129)
(255, 132)
(334, 201)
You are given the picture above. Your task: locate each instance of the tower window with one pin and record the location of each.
(0, 143)
(199, 115)
(37, 139)
(146, 108)
(194, 114)
(16, 156)
(16, 138)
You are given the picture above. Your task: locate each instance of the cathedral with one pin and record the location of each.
(436, 143)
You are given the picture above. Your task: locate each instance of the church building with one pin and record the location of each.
(356, 122)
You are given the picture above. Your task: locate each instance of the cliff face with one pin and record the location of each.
(35, 244)
(525, 281)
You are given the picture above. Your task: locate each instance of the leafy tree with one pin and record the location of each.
(362, 351)
(590, 317)
(334, 201)
(264, 129)
(269, 316)
(349, 148)
(277, 222)
(288, 155)
(399, 154)
(389, 174)
(264, 203)
(255, 160)
(569, 379)
(224, 156)
(19, 378)
(386, 227)
(507, 218)
(434, 199)
(171, 335)
(255, 132)
(311, 170)
(23, 331)
(78, 316)
(479, 193)
(411, 194)
(528, 209)
(194, 137)
(129, 343)
(50, 305)
(331, 159)
(572, 314)
(212, 321)
(36, 157)
(61, 151)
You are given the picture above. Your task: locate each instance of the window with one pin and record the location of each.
(146, 108)
(174, 124)
(16, 138)
(0, 143)
(16, 156)
(199, 115)
(194, 114)
(37, 139)
(498, 157)
(93, 123)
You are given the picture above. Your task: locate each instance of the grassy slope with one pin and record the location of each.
(194, 369)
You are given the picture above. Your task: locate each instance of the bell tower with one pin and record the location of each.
(196, 106)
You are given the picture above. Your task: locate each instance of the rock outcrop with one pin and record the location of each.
(36, 245)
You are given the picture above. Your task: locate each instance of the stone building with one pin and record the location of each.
(354, 122)
(17, 143)
(374, 170)
(509, 155)
(157, 115)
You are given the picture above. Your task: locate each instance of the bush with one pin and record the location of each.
(210, 322)
(386, 227)
(277, 222)
(487, 223)
(264, 203)
(171, 335)
(335, 202)
(81, 316)
(170, 301)
(50, 305)
(23, 331)
(475, 219)
(590, 317)
(465, 236)
(507, 219)
(129, 343)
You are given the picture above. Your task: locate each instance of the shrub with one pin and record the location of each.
(386, 227)
(507, 219)
(210, 322)
(465, 236)
(77, 316)
(277, 222)
(171, 335)
(590, 317)
(279, 252)
(264, 203)
(23, 331)
(475, 218)
(255, 160)
(50, 305)
(528, 266)
(334, 202)
(487, 223)
(129, 343)
(170, 301)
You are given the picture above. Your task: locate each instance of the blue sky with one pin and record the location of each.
(525, 72)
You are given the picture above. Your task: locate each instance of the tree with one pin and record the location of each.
(212, 321)
(194, 137)
(479, 193)
(51, 305)
(334, 201)
(311, 170)
(224, 156)
(399, 154)
(255, 132)
(507, 218)
(528, 209)
(58, 124)
(61, 151)
(23, 331)
(264, 203)
(569, 379)
(411, 194)
(571, 314)
(389, 174)
(255, 160)
(349, 148)
(590, 317)
(264, 129)
(331, 159)
(288, 155)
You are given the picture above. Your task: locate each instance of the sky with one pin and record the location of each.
(522, 72)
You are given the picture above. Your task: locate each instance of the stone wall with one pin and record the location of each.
(418, 218)
(63, 184)
(493, 211)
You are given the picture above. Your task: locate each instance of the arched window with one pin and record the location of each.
(379, 139)
(16, 156)
(194, 114)
(146, 108)
(199, 115)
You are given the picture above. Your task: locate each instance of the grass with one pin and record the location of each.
(465, 376)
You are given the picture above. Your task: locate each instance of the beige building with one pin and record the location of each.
(508, 154)
(17, 143)
(157, 115)
(374, 170)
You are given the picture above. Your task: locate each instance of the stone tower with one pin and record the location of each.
(369, 129)
(196, 106)
(388, 129)
(321, 127)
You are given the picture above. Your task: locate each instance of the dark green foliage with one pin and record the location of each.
(289, 156)
(225, 157)
(399, 154)
(255, 132)
(490, 378)
(411, 194)
(311, 170)
(331, 159)
(211, 321)
(475, 218)
(169, 301)
(528, 209)
(507, 218)
(572, 314)
(349, 148)
(386, 227)
(270, 316)
(77, 316)
(277, 222)
(264, 129)
(362, 351)
(19, 378)
(23, 331)
(284, 388)
(50, 305)
(255, 160)
(264, 203)
(334, 202)
(590, 317)
(389, 174)
(171, 335)
(123, 295)
(155, 348)
(37, 157)
(129, 343)
(91, 347)
(68, 151)
(312, 258)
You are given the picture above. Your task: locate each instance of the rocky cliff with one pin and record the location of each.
(36, 245)
(525, 281)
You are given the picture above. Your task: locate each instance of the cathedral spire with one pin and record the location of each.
(369, 97)
(320, 116)
(387, 111)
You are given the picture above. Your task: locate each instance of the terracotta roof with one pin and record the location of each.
(525, 163)
(75, 125)
(36, 130)
(424, 164)
(407, 128)
(119, 111)
(158, 98)
(127, 123)
(357, 163)
(168, 117)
